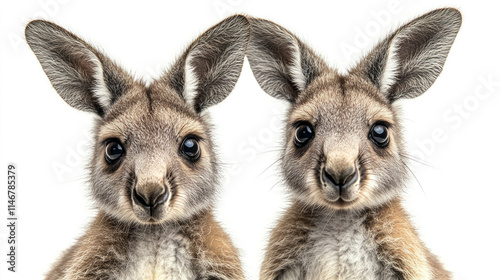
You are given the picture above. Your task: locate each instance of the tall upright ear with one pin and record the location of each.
(408, 62)
(282, 65)
(82, 76)
(209, 69)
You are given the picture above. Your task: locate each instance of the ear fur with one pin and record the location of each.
(407, 62)
(282, 65)
(82, 76)
(209, 69)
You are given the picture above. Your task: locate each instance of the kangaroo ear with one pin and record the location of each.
(82, 76)
(408, 62)
(209, 69)
(282, 65)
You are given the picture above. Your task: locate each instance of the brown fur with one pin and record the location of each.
(397, 240)
(288, 241)
(399, 243)
(103, 245)
(106, 244)
(154, 194)
(347, 170)
(212, 243)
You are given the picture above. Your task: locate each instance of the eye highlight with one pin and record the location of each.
(303, 134)
(113, 151)
(379, 134)
(190, 148)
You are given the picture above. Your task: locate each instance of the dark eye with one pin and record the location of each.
(303, 134)
(190, 148)
(379, 135)
(114, 151)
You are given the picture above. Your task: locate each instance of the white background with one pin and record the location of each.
(455, 207)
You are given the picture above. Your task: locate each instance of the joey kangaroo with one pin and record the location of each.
(153, 173)
(344, 158)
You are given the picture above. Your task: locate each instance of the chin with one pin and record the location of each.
(341, 204)
(363, 196)
(147, 219)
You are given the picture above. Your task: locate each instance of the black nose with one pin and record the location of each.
(150, 198)
(341, 179)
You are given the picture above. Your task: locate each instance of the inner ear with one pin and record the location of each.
(210, 67)
(83, 63)
(411, 45)
(282, 65)
(81, 75)
(407, 62)
(287, 51)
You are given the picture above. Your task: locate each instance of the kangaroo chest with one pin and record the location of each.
(159, 256)
(342, 248)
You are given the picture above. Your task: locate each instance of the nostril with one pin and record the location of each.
(161, 198)
(340, 180)
(330, 180)
(351, 178)
(151, 200)
(140, 200)
(347, 175)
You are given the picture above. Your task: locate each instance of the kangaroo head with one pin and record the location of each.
(153, 158)
(344, 147)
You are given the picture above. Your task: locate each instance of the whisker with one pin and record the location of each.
(413, 174)
(417, 160)
(272, 164)
(270, 151)
(275, 184)
(223, 163)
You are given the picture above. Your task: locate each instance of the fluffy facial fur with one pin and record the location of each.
(342, 109)
(149, 121)
(152, 131)
(342, 112)
(153, 187)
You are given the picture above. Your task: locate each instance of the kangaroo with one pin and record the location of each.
(153, 173)
(344, 157)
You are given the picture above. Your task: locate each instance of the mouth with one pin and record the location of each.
(154, 216)
(339, 197)
(152, 209)
(340, 203)
(151, 221)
